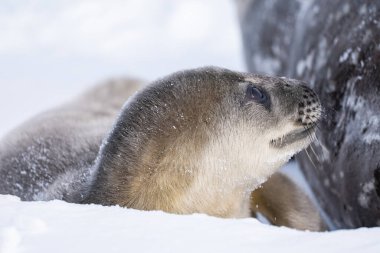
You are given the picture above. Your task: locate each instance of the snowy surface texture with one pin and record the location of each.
(60, 227)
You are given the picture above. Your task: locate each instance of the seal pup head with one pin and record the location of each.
(197, 140)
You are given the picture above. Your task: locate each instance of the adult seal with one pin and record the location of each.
(197, 141)
(334, 45)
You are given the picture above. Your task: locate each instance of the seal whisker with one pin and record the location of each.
(313, 151)
(312, 140)
(310, 159)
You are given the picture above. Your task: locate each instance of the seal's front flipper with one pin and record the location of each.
(283, 203)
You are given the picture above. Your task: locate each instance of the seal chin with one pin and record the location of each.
(293, 136)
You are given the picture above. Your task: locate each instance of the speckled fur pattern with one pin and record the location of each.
(334, 45)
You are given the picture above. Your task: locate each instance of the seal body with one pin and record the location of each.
(199, 140)
(51, 155)
(332, 45)
(202, 140)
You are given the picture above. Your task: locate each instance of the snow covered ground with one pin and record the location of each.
(61, 227)
(51, 50)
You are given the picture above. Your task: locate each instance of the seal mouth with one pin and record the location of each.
(292, 137)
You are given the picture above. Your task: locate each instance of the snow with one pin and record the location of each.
(56, 226)
(350, 54)
(345, 55)
(364, 195)
(51, 51)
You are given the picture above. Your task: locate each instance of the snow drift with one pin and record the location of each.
(57, 226)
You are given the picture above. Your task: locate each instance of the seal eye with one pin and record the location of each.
(256, 94)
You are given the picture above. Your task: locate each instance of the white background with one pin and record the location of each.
(51, 50)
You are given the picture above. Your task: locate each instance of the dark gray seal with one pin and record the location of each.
(334, 45)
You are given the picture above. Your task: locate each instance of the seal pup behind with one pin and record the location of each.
(51, 155)
(200, 141)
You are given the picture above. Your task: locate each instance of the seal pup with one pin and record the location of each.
(200, 141)
(51, 155)
(196, 141)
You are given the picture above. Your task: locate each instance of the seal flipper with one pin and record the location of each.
(283, 203)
